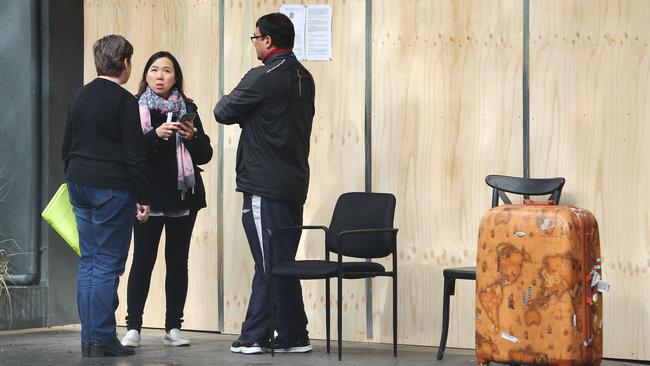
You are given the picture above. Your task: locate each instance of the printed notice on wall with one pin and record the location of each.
(297, 15)
(313, 27)
(319, 32)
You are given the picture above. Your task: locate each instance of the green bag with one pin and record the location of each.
(59, 215)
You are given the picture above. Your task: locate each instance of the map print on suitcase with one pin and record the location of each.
(538, 286)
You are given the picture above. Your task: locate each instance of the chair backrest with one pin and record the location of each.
(524, 186)
(361, 210)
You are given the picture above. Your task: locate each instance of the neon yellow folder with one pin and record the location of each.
(59, 215)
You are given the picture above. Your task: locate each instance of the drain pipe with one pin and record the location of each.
(32, 273)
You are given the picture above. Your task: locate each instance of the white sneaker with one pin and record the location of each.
(131, 339)
(175, 339)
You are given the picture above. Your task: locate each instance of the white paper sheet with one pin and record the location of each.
(318, 33)
(297, 15)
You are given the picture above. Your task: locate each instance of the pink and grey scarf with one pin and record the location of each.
(175, 104)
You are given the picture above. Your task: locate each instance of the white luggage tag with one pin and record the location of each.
(509, 337)
(599, 283)
(595, 279)
(602, 286)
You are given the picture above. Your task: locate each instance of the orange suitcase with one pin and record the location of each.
(539, 287)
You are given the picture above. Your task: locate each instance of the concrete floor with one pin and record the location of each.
(60, 346)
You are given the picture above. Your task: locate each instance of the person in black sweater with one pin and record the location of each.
(174, 150)
(108, 181)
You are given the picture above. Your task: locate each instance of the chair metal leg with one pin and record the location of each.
(340, 315)
(450, 285)
(395, 315)
(327, 313)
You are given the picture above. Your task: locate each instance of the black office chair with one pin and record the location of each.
(500, 184)
(361, 227)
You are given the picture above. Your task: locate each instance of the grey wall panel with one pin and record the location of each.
(62, 23)
(19, 131)
(41, 58)
(27, 310)
(19, 159)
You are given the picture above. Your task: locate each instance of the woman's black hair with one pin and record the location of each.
(177, 72)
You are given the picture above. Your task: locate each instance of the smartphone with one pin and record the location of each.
(187, 117)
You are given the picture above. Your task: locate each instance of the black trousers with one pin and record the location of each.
(259, 214)
(178, 233)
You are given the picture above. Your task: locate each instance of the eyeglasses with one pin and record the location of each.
(253, 38)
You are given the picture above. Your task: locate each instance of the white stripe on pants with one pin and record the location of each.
(256, 205)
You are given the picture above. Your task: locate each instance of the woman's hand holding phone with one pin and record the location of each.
(167, 129)
(186, 126)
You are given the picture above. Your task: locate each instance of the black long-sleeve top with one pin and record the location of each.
(103, 144)
(163, 166)
(274, 105)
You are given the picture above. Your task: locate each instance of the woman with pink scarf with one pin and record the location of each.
(175, 149)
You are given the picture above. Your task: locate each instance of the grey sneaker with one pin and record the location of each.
(175, 339)
(131, 339)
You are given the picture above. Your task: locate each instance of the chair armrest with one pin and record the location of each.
(290, 228)
(301, 227)
(365, 231)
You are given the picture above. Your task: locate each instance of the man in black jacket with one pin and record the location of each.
(274, 106)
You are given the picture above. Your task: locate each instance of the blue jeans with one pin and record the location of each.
(105, 219)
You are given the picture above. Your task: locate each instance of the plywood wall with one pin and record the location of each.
(590, 103)
(337, 154)
(446, 112)
(336, 158)
(189, 30)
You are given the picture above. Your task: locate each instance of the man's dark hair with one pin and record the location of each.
(110, 52)
(279, 27)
